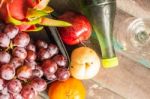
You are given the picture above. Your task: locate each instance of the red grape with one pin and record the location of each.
(6, 96)
(50, 77)
(41, 44)
(32, 64)
(62, 74)
(24, 72)
(37, 72)
(17, 96)
(4, 40)
(60, 60)
(31, 61)
(39, 84)
(4, 91)
(53, 50)
(1, 84)
(43, 54)
(16, 62)
(14, 86)
(28, 92)
(31, 47)
(31, 56)
(19, 52)
(49, 67)
(21, 40)
(4, 57)
(7, 72)
(11, 31)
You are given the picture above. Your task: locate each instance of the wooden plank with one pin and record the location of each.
(129, 79)
(96, 91)
(138, 8)
(145, 4)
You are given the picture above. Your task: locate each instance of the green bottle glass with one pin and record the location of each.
(101, 14)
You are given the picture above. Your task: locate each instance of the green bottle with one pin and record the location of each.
(101, 14)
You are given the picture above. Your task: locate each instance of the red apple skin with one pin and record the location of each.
(79, 31)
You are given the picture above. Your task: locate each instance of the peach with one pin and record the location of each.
(85, 63)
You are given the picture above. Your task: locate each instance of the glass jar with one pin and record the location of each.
(132, 38)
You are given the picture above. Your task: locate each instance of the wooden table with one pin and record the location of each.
(129, 80)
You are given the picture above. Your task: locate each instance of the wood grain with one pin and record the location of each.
(96, 91)
(145, 4)
(129, 79)
(137, 8)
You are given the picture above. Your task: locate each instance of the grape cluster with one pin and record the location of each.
(26, 66)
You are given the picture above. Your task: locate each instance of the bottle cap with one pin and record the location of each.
(110, 62)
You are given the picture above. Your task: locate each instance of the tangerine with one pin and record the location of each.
(69, 89)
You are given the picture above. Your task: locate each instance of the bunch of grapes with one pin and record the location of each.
(26, 66)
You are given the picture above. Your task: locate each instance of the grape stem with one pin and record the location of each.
(82, 43)
(11, 46)
(43, 95)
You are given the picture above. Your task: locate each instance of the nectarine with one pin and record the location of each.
(85, 63)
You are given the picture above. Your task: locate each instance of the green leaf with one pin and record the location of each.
(51, 22)
(14, 21)
(33, 22)
(48, 9)
(34, 13)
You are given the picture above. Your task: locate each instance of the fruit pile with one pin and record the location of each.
(85, 63)
(26, 65)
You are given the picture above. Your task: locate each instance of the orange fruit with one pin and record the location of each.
(70, 89)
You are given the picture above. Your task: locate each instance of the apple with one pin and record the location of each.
(79, 31)
(85, 63)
